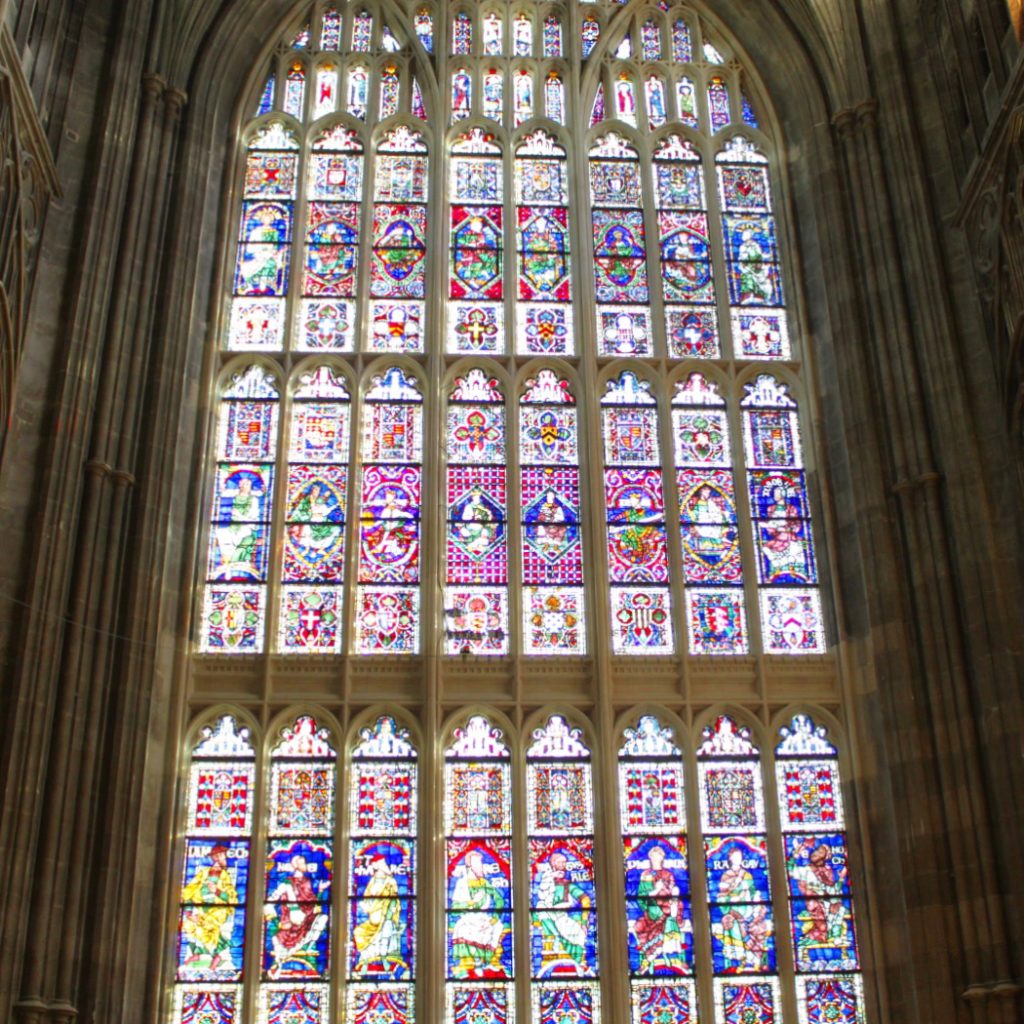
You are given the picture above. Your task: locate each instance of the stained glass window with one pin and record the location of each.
(381, 955)
(357, 91)
(682, 47)
(554, 619)
(399, 256)
(718, 103)
(620, 249)
(641, 612)
(563, 893)
(462, 94)
(554, 98)
(263, 256)
(552, 36)
(686, 102)
(522, 35)
(316, 513)
(476, 597)
(390, 87)
(295, 90)
(791, 620)
(476, 312)
(234, 613)
(362, 32)
(732, 814)
(497, 396)
(522, 96)
(388, 600)
(712, 563)
(543, 310)
(330, 32)
(828, 984)
(755, 288)
(298, 876)
(423, 23)
(478, 857)
(651, 35)
(652, 811)
(215, 876)
(266, 103)
(590, 32)
(462, 33)
(331, 271)
(492, 33)
(687, 279)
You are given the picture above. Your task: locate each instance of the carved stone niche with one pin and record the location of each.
(28, 179)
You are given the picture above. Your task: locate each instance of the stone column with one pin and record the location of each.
(951, 825)
(72, 843)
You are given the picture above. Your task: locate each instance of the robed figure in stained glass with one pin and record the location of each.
(743, 930)
(378, 937)
(208, 924)
(823, 921)
(659, 930)
(564, 935)
(296, 921)
(477, 937)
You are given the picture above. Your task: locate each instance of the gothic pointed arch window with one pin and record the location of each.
(510, 403)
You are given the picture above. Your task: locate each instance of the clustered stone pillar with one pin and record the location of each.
(67, 917)
(958, 836)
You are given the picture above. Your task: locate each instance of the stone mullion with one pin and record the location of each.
(613, 958)
(430, 968)
(928, 562)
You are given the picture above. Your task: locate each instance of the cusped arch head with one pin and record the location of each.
(742, 718)
(687, 133)
(492, 372)
(376, 371)
(239, 366)
(560, 367)
(573, 719)
(257, 127)
(322, 127)
(633, 137)
(835, 731)
(492, 132)
(683, 371)
(339, 368)
(794, 387)
(366, 721)
(495, 718)
(325, 726)
(207, 722)
(631, 718)
(558, 133)
(644, 374)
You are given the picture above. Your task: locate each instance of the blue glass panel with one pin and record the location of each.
(656, 866)
(737, 869)
(816, 865)
(212, 922)
(742, 939)
(823, 936)
(372, 858)
(778, 494)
